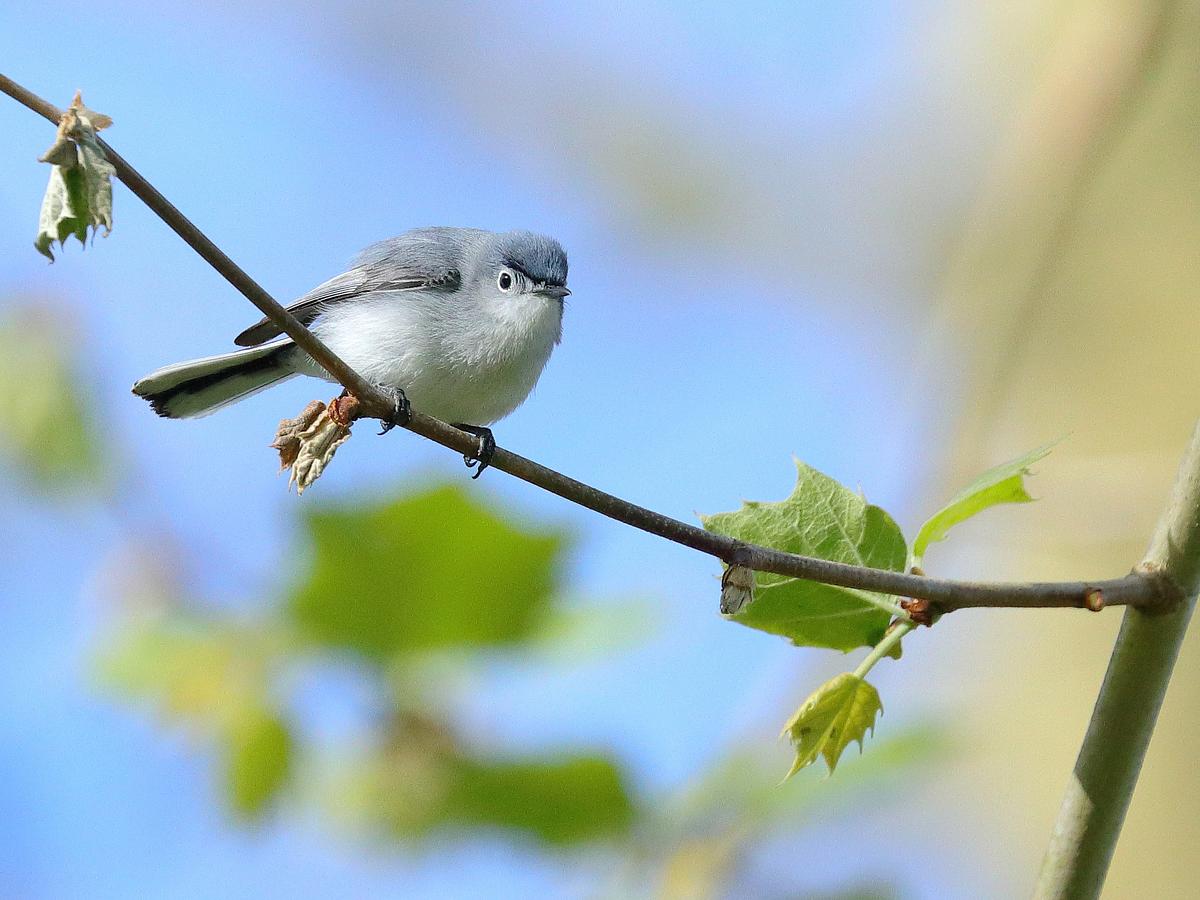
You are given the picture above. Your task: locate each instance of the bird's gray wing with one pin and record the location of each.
(415, 261)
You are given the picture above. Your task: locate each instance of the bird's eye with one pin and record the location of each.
(505, 281)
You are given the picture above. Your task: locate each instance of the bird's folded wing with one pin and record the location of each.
(347, 286)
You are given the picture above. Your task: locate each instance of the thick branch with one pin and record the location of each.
(1139, 671)
(1143, 589)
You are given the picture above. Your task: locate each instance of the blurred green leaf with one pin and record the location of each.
(47, 428)
(693, 844)
(821, 518)
(840, 711)
(187, 669)
(582, 633)
(211, 678)
(195, 670)
(742, 789)
(1001, 484)
(566, 800)
(877, 890)
(699, 866)
(425, 779)
(434, 570)
(258, 760)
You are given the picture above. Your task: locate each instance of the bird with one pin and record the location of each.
(457, 323)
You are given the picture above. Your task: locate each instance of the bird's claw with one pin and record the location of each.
(484, 452)
(401, 409)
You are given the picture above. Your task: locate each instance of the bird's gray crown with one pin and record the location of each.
(540, 258)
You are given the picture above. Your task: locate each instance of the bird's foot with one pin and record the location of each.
(401, 409)
(484, 453)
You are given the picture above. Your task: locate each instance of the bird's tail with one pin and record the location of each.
(201, 386)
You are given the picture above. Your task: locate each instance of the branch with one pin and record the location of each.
(1143, 588)
(1110, 759)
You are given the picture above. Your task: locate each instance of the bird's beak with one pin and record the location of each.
(553, 291)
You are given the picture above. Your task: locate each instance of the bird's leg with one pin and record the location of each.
(401, 408)
(484, 453)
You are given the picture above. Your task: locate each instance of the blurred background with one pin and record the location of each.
(902, 242)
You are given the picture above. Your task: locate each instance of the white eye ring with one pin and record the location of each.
(505, 281)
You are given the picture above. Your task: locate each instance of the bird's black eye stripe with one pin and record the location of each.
(516, 268)
(505, 280)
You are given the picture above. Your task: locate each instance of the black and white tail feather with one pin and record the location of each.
(195, 388)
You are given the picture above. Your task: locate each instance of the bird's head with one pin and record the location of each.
(521, 262)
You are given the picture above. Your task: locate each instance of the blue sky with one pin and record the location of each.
(692, 369)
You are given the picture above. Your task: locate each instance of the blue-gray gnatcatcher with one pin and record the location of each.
(458, 321)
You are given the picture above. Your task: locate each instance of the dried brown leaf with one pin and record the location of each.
(307, 443)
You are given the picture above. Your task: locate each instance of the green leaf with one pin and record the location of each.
(841, 710)
(48, 428)
(79, 194)
(821, 518)
(1002, 484)
(424, 779)
(430, 571)
(184, 668)
(568, 800)
(258, 760)
(211, 679)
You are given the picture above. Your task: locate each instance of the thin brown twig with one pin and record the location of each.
(1150, 590)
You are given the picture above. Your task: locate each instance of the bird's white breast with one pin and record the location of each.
(472, 363)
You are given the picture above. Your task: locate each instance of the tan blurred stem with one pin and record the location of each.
(1139, 671)
(1030, 205)
(1142, 589)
